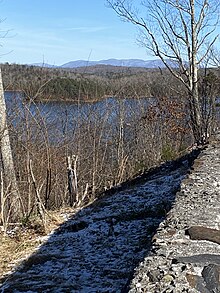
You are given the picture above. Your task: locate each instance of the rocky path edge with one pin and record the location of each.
(185, 253)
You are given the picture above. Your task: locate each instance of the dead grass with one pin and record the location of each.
(17, 246)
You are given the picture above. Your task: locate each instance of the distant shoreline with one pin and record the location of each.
(70, 101)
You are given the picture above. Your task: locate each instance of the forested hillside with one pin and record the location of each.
(88, 83)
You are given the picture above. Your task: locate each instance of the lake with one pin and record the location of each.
(63, 118)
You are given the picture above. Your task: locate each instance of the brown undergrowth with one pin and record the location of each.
(20, 242)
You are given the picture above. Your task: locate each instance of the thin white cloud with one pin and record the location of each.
(87, 29)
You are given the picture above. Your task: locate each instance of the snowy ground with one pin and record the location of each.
(182, 261)
(98, 249)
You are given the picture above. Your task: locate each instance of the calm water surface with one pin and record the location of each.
(64, 117)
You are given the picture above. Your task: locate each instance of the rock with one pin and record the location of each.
(154, 276)
(204, 259)
(176, 268)
(211, 275)
(197, 283)
(72, 227)
(204, 233)
(138, 285)
(167, 278)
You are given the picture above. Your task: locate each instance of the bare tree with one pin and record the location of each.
(10, 183)
(181, 33)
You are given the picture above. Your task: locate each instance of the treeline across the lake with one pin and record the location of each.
(40, 84)
(89, 83)
(69, 157)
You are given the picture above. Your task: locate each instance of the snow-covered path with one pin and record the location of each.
(186, 247)
(98, 249)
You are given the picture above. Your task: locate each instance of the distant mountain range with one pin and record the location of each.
(45, 65)
(111, 62)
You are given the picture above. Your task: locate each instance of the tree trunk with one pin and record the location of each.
(182, 31)
(195, 111)
(10, 183)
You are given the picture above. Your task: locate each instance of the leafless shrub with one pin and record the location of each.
(109, 142)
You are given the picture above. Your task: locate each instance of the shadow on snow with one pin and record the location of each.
(98, 249)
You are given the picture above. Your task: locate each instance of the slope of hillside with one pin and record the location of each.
(97, 249)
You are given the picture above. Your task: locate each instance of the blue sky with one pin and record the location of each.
(59, 31)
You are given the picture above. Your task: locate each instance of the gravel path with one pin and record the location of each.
(185, 256)
(98, 249)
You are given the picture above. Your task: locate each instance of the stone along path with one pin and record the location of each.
(97, 249)
(185, 255)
